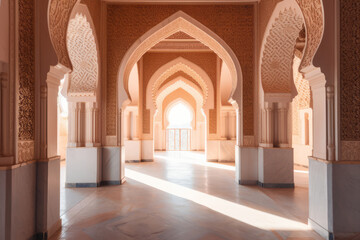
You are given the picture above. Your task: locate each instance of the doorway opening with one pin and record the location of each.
(178, 132)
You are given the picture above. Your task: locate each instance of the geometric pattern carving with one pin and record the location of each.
(26, 61)
(314, 22)
(278, 53)
(59, 13)
(350, 71)
(83, 54)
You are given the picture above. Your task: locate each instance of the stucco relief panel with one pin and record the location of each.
(350, 71)
(59, 13)
(83, 55)
(314, 21)
(26, 101)
(276, 73)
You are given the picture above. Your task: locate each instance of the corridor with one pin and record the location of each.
(180, 196)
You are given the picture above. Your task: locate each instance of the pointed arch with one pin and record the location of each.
(177, 83)
(179, 21)
(171, 104)
(190, 68)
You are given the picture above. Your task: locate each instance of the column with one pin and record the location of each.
(267, 130)
(282, 117)
(91, 124)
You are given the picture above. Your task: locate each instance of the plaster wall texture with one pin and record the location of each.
(4, 31)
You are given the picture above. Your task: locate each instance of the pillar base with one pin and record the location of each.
(246, 165)
(113, 164)
(18, 201)
(276, 167)
(83, 167)
(334, 196)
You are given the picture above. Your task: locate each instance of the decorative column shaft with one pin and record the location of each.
(330, 123)
(232, 125)
(267, 125)
(91, 124)
(43, 122)
(223, 125)
(283, 124)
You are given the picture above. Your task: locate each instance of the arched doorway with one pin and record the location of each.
(181, 24)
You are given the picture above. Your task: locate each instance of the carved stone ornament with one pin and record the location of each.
(59, 14)
(314, 21)
(276, 67)
(83, 54)
(26, 59)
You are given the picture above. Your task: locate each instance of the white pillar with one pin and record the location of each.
(317, 83)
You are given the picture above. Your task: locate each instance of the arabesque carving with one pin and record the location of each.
(83, 54)
(26, 61)
(59, 14)
(276, 70)
(350, 74)
(25, 151)
(314, 22)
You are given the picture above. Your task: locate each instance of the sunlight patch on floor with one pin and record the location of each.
(253, 217)
(193, 158)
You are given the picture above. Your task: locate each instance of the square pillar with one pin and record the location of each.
(276, 167)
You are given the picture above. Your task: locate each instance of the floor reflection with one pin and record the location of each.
(181, 196)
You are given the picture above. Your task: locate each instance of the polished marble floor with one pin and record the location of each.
(179, 197)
